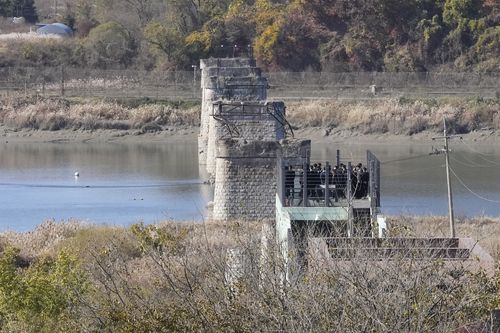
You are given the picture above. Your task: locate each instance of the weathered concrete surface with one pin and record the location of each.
(231, 79)
(253, 124)
(245, 181)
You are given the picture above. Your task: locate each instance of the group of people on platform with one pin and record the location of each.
(337, 182)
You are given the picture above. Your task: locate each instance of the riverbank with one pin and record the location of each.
(37, 119)
(190, 133)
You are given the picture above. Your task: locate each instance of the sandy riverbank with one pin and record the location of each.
(189, 133)
(10, 135)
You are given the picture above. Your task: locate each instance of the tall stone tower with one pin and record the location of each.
(241, 137)
(225, 80)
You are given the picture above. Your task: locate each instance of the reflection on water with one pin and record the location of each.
(118, 183)
(128, 183)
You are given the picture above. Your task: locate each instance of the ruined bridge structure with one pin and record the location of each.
(242, 135)
(261, 173)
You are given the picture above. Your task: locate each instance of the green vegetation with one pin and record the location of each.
(211, 277)
(296, 35)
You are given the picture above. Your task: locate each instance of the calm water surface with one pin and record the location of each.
(414, 182)
(129, 183)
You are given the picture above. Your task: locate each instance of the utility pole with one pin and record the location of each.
(195, 68)
(446, 151)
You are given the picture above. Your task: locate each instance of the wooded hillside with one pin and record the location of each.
(294, 35)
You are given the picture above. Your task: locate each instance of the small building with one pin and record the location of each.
(59, 29)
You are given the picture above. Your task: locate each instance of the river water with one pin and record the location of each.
(129, 183)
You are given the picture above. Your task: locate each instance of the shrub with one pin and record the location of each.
(109, 44)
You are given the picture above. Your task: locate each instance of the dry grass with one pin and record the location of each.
(486, 230)
(45, 238)
(403, 117)
(55, 114)
(27, 36)
(396, 116)
(173, 277)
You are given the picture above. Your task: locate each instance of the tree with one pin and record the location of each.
(110, 45)
(164, 41)
(19, 8)
(5, 8)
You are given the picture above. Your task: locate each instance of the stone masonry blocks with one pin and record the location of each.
(245, 182)
(229, 79)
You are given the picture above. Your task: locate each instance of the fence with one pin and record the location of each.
(282, 85)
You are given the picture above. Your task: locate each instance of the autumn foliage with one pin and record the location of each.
(292, 35)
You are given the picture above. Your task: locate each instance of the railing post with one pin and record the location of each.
(305, 168)
(327, 183)
(373, 189)
(282, 182)
(338, 158)
(349, 201)
(495, 321)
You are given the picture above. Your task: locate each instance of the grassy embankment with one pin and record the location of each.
(393, 116)
(213, 277)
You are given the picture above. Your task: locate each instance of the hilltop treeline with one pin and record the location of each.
(293, 35)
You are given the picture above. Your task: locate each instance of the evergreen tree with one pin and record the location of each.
(28, 10)
(19, 8)
(5, 8)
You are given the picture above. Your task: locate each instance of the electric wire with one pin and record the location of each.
(416, 170)
(471, 191)
(404, 159)
(475, 150)
(481, 155)
(472, 161)
(470, 165)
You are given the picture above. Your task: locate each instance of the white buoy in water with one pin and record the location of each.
(77, 174)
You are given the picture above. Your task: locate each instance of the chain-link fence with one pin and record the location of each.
(63, 81)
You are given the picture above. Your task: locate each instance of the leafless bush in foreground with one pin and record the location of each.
(216, 277)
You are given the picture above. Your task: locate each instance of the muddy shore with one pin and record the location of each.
(189, 133)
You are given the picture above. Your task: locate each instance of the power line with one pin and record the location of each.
(475, 150)
(481, 155)
(64, 186)
(404, 159)
(471, 191)
(470, 165)
(411, 171)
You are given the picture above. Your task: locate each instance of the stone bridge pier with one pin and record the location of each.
(246, 178)
(225, 80)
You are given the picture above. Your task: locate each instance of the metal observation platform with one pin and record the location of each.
(331, 192)
(328, 200)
